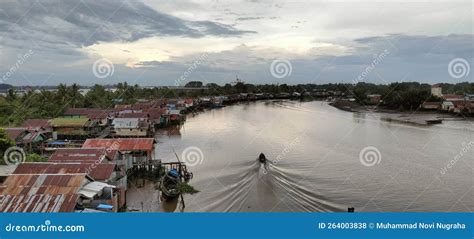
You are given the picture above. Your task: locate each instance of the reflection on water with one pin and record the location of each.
(172, 131)
(314, 165)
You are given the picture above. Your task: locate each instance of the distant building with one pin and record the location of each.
(469, 97)
(459, 106)
(131, 127)
(97, 116)
(38, 124)
(374, 98)
(447, 106)
(101, 164)
(436, 90)
(72, 127)
(431, 105)
(133, 149)
(28, 139)
(453, 97)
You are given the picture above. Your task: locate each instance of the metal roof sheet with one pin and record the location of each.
(96, 171)
(91, 113)
(36, 123)
(126, 123)
(78, 155)
(91, 189)
(141, 115)
(29, 184)
(38, 203)
(121, 144)
(14, 133)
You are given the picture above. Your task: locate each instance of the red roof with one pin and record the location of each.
(121, 144)
(471, 105)
(99, 172)
(95, 155)
(458, 103)
(452, 96)
(14, 133)
(98, 115)
(91, 113)
(133, 115)
(22, 135)
(155, 113)
(111, 153)
(78, 111)
(36, 124)
(143, 105)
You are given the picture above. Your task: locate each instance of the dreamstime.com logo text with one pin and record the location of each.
(45, 227)
(375, 62)
(466, 150)
(22, 59)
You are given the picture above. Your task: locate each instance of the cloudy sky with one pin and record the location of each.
(154, 43)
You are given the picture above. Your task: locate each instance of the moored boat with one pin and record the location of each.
(169, 185)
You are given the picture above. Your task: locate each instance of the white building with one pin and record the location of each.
(436, 90)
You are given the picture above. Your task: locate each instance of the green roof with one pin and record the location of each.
(69, 121)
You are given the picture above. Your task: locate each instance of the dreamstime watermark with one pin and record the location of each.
(370, 156)
(376, 61)
(47, 226)
(114, 147)
(458, 68)
(286, 150)
(192, 156)
(14, 155)
(14, 68)
(103, 68)
(467, 147)
(200, 60)
(281, 68)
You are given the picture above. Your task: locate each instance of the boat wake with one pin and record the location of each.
(266, 187)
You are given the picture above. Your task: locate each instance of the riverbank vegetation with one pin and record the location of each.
(45, 103)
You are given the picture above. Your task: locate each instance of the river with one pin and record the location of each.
(321, 159)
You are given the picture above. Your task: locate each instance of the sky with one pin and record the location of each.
(169, 43)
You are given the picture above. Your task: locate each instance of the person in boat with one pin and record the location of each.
(262, 158)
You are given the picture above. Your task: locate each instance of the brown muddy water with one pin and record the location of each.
(320, 159)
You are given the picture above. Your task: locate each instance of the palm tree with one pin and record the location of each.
(74, 95)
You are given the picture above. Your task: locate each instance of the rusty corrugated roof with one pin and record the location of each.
(155, 113)
(36, 124)
(29, 184)
(98, 172)
(133, 115)
(15, 133)
(79, 155)
(38, 203)
(91, 113)
(121, 144)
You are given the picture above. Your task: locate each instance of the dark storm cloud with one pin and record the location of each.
(57, 24)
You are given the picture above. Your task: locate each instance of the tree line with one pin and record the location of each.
(15, 108)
